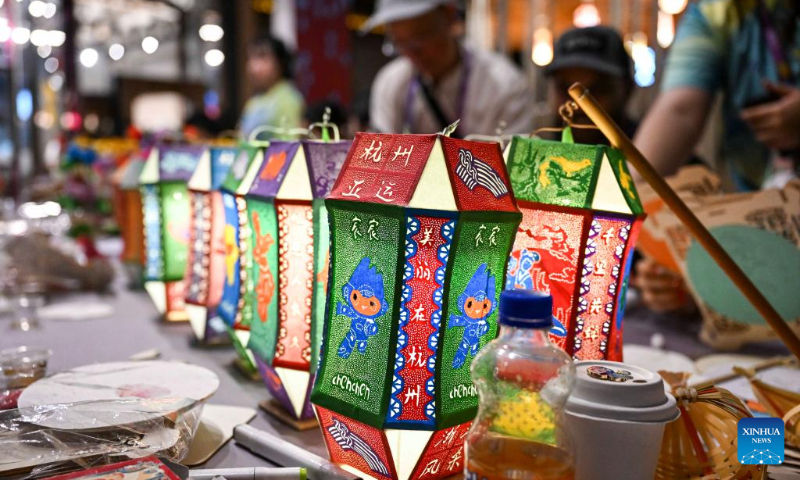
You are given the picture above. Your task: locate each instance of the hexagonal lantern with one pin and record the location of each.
(421, 228)
(234, 307)
(165, 202)
(290, 252)
(580, 217)
(205, 272)
(131, 220)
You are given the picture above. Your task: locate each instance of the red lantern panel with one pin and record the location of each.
(546, 254)
(383, 169)
(296, 280)
(605, 249)
(351, 442)
(615, 338)
(426, 250)
(175, 295)
(444, 456)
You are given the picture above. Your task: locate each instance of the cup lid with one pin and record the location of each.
(617, 391)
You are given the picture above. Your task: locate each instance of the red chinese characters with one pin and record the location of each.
(384, 169)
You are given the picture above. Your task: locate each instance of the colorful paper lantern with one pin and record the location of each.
(580, 217)
(234, 307)
(205, 272)
(421, 228)
(165, 202)
(290, 241)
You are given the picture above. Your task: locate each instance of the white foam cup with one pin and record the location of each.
(616, 415)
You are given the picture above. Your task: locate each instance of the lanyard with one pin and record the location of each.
(774, 43)
(416, 85)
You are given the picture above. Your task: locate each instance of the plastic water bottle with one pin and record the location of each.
(523, 382)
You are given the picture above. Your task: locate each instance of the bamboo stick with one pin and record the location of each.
(736, 372)
(589, 105)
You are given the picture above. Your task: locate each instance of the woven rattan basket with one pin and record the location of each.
(701, 443)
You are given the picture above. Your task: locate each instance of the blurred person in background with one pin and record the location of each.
(751, 52)
(595, 57)
(276, 101)
(437, 80)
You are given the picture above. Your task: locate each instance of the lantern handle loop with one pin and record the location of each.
(499, 136)
(324, 126)
(567, 113)
(282, 131)
(278, 131)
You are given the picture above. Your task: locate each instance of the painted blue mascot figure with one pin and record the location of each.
(364, 303)
(476, 304)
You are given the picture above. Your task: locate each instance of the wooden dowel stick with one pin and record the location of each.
(736, 372)
(589, 105)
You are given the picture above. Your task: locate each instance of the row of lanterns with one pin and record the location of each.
(361, 277)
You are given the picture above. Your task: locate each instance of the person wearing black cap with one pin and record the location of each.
(437, 80)
(595, 57)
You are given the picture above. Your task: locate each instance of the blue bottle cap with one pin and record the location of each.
(526, 309)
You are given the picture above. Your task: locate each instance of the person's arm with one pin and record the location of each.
(672, 127)
(692, 74)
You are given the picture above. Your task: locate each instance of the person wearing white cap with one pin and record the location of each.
(437, 80)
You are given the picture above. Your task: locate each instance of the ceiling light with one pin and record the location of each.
(116, 51)
(149, 44)
(214, 58)
(586, 15)
(211, 32)
(665, 32)
(20, 35)
(51, 65)
(56, 38)
(542, 53)
(672, 7)
(89, 57)
(39, 37)
(37, 8)
(49, 10)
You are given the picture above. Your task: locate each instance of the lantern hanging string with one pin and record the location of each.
(500, 137)
(567, 113)
(282, 132)
(586, 102)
